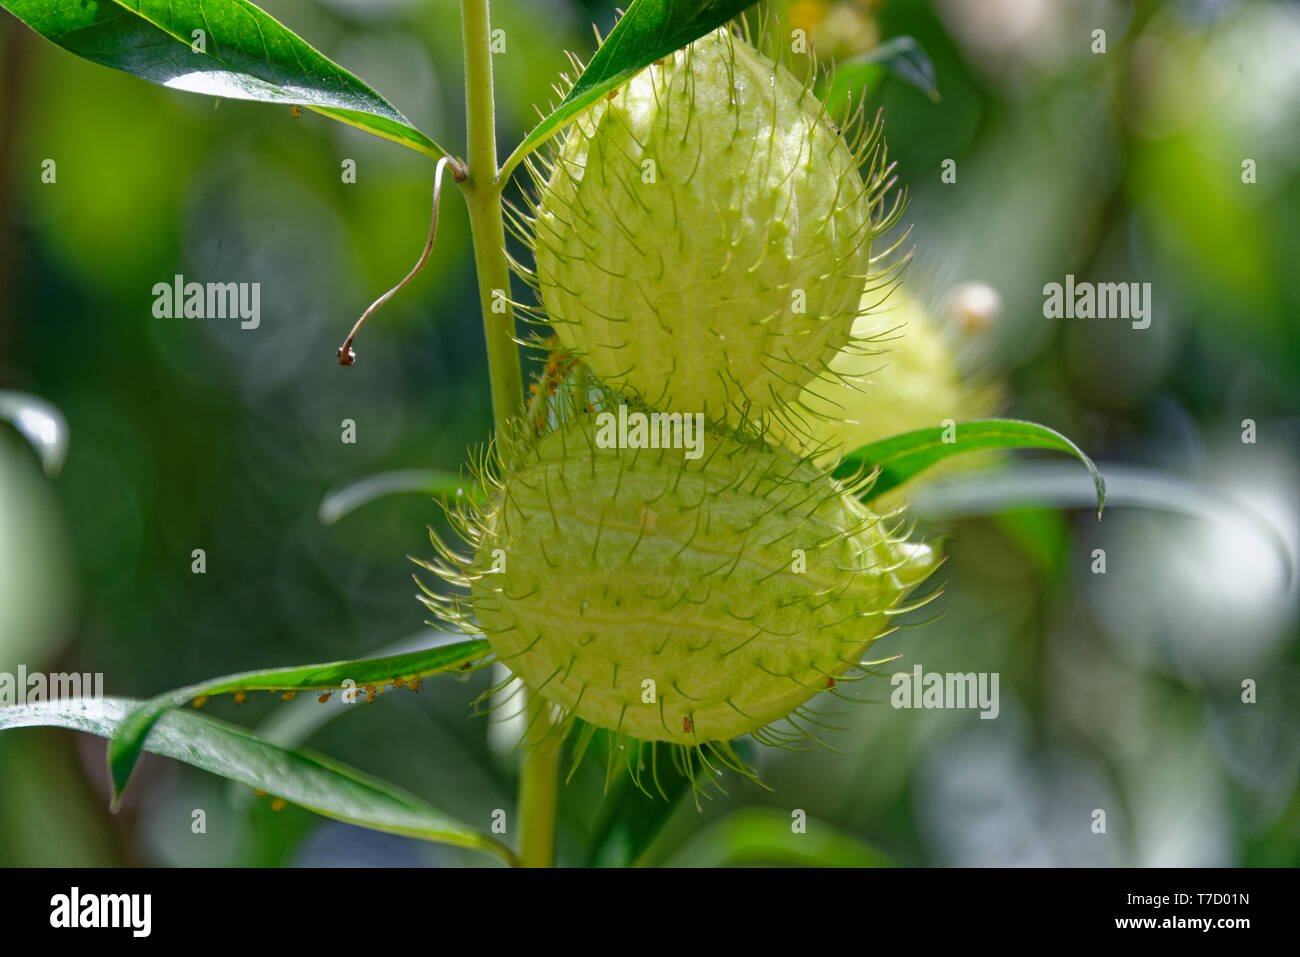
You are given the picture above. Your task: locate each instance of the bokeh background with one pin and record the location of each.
(1120, 691)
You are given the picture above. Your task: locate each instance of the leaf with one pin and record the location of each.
(902, 457)
(901, 56)
(309, 780)
(41, 424)
(753, 836)
(247, 55)
(630, 820)
(293, 724)
(129, 738)
(340, 501)
(1045, 483)
(649, 31)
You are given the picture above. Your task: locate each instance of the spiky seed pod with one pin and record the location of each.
(673, 598)
(900, 372)
(702, 238)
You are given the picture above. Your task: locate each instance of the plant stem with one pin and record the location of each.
(482, 190)
(538, 787)
(482, 187)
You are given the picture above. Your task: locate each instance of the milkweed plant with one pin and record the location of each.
(685, 535)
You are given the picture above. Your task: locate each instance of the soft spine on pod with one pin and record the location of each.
(702, 238)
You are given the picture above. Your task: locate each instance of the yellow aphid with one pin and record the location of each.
(259, 792)
(414, 684)
(241, 697)
(325, 697)
(288, 696)
(200, 701)
(278, 804)
(399, 682)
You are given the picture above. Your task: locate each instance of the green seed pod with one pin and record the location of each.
(702, 237)
(899, 373)
(672, 597)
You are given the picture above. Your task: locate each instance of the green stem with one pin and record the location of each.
(538, 787)
(482, 187)
(482, 190)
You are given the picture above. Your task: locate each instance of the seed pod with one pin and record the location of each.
(702, 239)
(633, 587)
(900, 372)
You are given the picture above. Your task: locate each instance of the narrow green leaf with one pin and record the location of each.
(901, 56)
(902, 457)
(758, 836)
(630, 820)
(298, 720)
(228, 48)
(340, 501)
(309, 780)
(41, 424)
(649, 31)
(129, 738)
